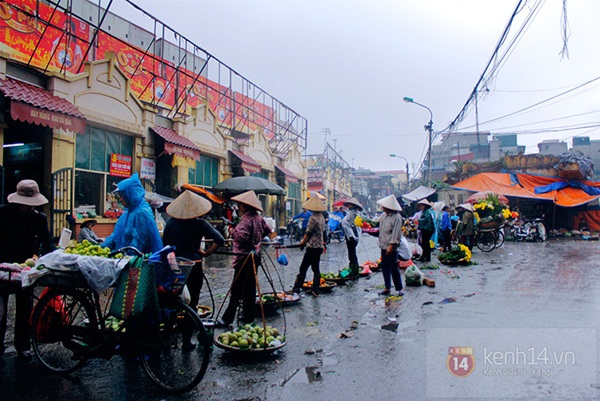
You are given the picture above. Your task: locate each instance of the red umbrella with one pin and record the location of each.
(477, 196)
(339, 202)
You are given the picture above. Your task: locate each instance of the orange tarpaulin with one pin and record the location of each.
(205, 192)
(523, 186)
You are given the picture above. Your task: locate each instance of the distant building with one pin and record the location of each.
(552, 147)
(590, 149)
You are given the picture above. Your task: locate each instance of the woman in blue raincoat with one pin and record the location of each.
(136, 227)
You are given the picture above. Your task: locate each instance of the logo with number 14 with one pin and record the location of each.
(460, 361)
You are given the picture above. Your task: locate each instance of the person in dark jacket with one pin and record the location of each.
(427, 227)
(23, 234)
(185, 230)
(352, 234)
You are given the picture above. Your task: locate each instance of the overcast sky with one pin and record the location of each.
(346, 65)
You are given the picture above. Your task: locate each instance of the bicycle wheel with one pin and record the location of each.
(486, 240)
(541, 230)
(64, 328)
(500, 238)
(172, 365)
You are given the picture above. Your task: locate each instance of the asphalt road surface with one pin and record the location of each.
(521, 323)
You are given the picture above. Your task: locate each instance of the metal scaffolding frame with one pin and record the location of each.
(247, 109)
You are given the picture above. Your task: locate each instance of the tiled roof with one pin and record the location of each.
(173, 137)
(245, 158)
(38, 97)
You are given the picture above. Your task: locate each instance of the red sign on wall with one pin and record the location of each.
(120, 165)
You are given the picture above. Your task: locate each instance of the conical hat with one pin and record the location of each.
(390, 202)
(188, 205)
(314, 204)
(424, 202)
(465, 206)
(353, 201)
(248, 198)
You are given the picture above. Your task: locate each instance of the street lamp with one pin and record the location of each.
(429, 129)
(407, 174)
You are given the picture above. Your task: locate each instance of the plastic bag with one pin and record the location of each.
(417, 251)
(100, 273)
(404, 251)
(413, 276)
(185, 295)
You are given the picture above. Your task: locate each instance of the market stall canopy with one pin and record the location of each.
(154, 197)
(481, 195)
(421, 192)
(567, 193)
(318, 195)
(203, 191)
(237, 185)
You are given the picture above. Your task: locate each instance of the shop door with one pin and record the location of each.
(62, 201)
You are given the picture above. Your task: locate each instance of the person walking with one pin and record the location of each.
(446, 229)
(23, 234)
(185, 230)
(136, 227)
(427, 227)
(313, 241)
(304, 216)
(466, 229)
(390, 232)
(351, 233)
(247, 236)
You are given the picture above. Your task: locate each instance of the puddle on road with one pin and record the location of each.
(308, 375)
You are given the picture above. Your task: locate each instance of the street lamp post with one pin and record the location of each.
(429, 129)
(407, 174)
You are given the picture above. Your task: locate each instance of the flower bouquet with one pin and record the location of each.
(460, 255)
(366, 225)
(491, 212)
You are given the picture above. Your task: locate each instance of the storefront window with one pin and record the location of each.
(262, 174)
(206, 172)
(93, 184)
(294, 195)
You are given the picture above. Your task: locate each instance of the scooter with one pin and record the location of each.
(335, 229)
(529, 231)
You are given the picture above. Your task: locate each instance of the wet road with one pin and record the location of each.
(523, 299)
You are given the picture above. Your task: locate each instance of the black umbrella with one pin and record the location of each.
(236, 185)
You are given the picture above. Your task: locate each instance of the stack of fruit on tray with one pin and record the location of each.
(86, 248)
(251, 337)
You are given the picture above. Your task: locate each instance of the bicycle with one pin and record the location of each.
(70, 327)
(488, 239)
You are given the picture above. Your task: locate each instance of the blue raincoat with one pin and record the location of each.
(136, 226)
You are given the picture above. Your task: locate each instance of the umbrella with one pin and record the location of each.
(483, 194)
(339, 202)
(237, 185)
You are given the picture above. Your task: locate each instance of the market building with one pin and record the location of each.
(90, 98)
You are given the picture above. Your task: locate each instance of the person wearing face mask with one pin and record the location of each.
(23, 234)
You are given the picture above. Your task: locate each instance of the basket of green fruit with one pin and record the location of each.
(252, 339)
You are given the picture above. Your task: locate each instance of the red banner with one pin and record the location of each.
(120, 165)
(29, 25)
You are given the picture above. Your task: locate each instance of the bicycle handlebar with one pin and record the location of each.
(125, 249)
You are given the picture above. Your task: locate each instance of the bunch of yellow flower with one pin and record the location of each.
(358, 221)
(466, 251)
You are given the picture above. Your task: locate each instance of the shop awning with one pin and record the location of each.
(315, 186)
(176, 144)
(35, 105)
(421, 192)
(289, 175)
(567, 193)
(247, 163)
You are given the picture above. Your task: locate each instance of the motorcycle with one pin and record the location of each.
(530, 230)
(294, 231)
(335, 229)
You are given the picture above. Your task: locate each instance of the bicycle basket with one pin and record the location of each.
(172, 276)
